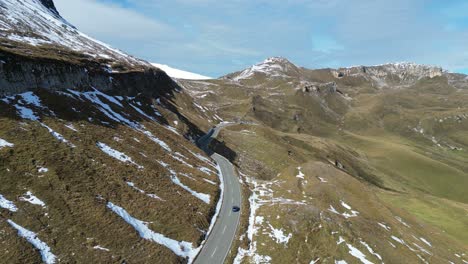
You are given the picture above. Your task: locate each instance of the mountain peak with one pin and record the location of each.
(273, 67)
(49, 4)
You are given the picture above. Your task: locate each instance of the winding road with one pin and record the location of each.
(219, 242)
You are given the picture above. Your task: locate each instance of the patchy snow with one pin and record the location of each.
(384, 226)
(205, 170)
(252, 229)
(7, 204)
(272, 67)
(422, 249)
(26, 113)
(348, 207)
(210, 182)
(181, 160)
(71, 127)
(32, 238)
(279, 235)
(180, 248)
(180, 74)
(117, 154)
(398, 240)
(371, 250)
(30, 198)
(345, 205)
(300, 174)
(151, 195)
(322, 180)
(425, 241)
(42, 170)
(333, 210)
(101, 248)
(202, 196)
(399, 219)
(358, 254)
(340, 240)
(340, 262)
(4, 143)
(31, 98)
(58, 136)
(157, 140)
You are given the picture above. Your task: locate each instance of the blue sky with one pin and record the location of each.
(218, 37)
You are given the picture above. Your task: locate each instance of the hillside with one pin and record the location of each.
(97, 158)
(364, 164)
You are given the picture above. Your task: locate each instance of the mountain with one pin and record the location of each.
(97, 158)
(180, 74)
(98, 161)
(273, 67)
(364, 164)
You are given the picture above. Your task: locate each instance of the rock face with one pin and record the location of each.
(19, 74)
(391, 73)
(50, 5)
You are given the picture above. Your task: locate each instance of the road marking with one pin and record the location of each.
(224, 229)
(216, 248)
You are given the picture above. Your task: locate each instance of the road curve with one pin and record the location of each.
(219, 242)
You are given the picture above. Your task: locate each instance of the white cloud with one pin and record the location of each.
(110, 20)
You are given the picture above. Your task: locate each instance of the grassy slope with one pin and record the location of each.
(81, 180)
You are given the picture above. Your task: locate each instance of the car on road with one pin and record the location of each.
(235, 209)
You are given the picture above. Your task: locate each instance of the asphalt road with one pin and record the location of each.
(219, 242)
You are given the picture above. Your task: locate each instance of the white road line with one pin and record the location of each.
(224, 229)
(216, 248)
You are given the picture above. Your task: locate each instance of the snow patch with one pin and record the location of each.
(116, 154)
(7, 204)
(32, 238)
(4, 143)
(300, 174)
(30, 198)
(180, 248)
(279, 235)
(358, 254)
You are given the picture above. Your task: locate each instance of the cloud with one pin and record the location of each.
(215, 37)
(110, 20)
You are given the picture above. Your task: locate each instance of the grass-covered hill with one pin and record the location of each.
(362, 164)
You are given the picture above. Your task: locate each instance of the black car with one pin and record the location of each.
(235, 209)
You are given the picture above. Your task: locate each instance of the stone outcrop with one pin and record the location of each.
(391, 73)
(19, 74)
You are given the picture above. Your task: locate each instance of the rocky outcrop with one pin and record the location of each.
(391, 73)
(49, 4)
(326, 88)
(19, 74)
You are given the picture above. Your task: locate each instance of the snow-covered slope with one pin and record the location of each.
(180, 74)
(37, 22)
